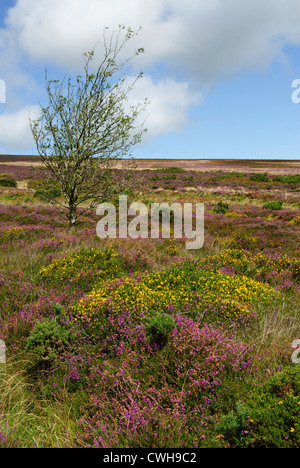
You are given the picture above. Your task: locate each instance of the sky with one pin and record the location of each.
(220, 75)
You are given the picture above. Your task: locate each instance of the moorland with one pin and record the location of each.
(140, 342)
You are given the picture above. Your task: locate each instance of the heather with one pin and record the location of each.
(142, 343)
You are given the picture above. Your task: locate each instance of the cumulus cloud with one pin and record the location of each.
(205, 40)
(15, 132)
(189, 45)
(168, 106)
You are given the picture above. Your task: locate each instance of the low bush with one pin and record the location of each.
(259, 267)
(158, 327)
(260, 177)
(47, 194)
(273, 205)
(171, 169)
(166, 177)
(186, 289)
(85, 265)
(45, 189)
(7, 181)
(47, 341)
(271, 416)
(288, 179)
(221, 208)
(226, 176)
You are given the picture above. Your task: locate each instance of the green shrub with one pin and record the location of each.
(260, 177)
(171, 169)
(7, 181)
(45, 189)
(37, 184)
(271, 416)
(288, 179)
(221, 208)
(48, 194)
(13, 196)
(273, 205)
(169, 176)
(89, 265)
(59, 310)
(47, 341)
(166, 177)
(235, 427)
(225, 176)
(158, 327)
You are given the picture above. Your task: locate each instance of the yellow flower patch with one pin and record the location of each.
(191, 292)
(78, 264)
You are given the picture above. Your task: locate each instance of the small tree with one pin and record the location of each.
(86, 129)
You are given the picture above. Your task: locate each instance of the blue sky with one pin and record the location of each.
(218, 73)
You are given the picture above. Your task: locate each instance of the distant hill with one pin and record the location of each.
(16, 157)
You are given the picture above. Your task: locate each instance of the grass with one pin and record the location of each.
(30, 421)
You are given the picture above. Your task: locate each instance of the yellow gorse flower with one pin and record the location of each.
(232, 296)
(77, 264)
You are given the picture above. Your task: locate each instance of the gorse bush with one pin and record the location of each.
(158, 327)
(91, 264)
(196, 292)
(171, 169)
(169, 177)
(12, 233)
(155, 177)
(7, 181)
(234, 427)
(48, 340)
(240, 259)
(260, 177)
(273, 205)
(45, 189)
(47, 194)
(233, 214)
(221, 207)
(226, 176)
(259, 266)
(271, 416)
(288, 179)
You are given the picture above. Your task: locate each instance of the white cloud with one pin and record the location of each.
(20, 83)
(15, 132)
(204, 39)
(189, 44)
(168, 106)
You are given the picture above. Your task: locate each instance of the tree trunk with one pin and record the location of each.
(72, 216)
